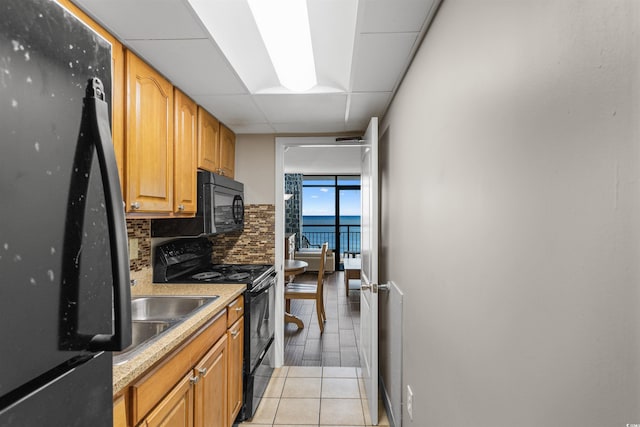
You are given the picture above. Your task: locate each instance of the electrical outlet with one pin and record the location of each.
(410, 402)
(133, 248)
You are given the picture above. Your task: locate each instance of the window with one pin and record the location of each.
(322, 197)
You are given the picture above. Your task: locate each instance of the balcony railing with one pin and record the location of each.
(349, 238)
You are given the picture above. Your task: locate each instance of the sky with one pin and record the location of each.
(321, 200)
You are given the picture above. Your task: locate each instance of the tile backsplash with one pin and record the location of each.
(140, 229)
(254, 245)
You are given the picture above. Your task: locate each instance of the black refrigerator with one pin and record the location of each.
(64, 267)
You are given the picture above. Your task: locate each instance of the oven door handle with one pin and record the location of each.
(269, 283)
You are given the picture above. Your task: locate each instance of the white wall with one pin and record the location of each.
(255, 167)
(322, 160)
(511, 215)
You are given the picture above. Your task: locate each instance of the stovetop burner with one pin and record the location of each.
(250, 267)
(238, 276)
(207, 275)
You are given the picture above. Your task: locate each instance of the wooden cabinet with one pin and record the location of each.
(235, 336)
(148, 139)
(198, 385)
(175, 410)
(185, 155)
(120, 412)
(211, 389)
(227, 156)
(200, 398)
(216, 145)
(208, 141)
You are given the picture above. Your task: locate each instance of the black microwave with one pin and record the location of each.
(220, 210)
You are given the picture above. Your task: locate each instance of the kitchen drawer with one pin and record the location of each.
(235, 310)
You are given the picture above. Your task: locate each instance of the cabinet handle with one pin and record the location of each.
(235, 333)
(202, 371)
(180, 207)
(238, 308)
(194, 380)
(135, 205)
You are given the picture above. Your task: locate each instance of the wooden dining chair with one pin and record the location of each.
(313, 291)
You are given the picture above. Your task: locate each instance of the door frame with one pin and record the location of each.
(282, 144)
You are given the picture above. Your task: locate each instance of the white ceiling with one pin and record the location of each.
(359, 64)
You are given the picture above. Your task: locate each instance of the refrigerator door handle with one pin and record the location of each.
(95, 134)
(101, 135)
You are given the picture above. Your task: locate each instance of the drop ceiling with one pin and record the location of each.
(362, 50)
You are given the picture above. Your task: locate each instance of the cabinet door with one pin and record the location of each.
(175, 410)
(120, 413)
(227, 152)
(211, 390)
(185, 152)
(149, 139)
(236, 339)
(208, 141)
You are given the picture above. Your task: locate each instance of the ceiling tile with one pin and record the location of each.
(195, 66)
(170, 19)
(309, 127)
(363, 106)
(232, 109)
(394, 16)
(253, 128)
(303, 108)
(380, 61)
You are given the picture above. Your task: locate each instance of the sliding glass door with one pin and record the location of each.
(331, 213)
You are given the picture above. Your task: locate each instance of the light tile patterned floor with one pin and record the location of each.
(315, 396)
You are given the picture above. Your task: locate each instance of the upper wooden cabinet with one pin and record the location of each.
(216, 145)
(208, 141)
(148, 139)
(227, 152)
(185, 155)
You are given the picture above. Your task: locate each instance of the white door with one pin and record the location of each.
(369, 273)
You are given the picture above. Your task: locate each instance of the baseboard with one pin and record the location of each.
(386, 401)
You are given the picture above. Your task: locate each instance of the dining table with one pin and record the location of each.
(293, 267)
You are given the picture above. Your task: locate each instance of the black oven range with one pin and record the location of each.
(189, 261)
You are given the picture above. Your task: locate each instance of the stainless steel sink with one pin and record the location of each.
(163, 308)
(153, 316)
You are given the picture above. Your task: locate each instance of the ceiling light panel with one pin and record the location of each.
(284, 27)
(333, 29)
(234, 30)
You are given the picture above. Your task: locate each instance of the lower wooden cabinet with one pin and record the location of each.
(235, 336)
(198, 385)
(120, 412)
(211, 394)
(175, 410)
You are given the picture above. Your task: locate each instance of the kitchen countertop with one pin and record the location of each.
(126, 373)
